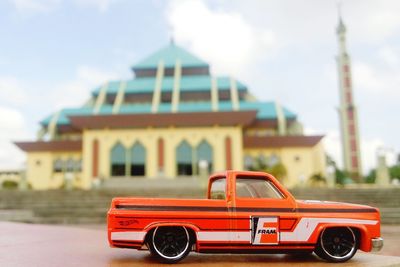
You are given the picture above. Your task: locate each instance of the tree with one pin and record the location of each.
(371, 177)
(278, 170)
(394, 171)
(341, 176)
(317, 179)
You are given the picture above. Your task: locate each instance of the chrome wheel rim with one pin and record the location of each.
(170, 242)
(338, 243)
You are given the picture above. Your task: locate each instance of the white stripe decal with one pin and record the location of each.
(307, 226)
(133, 236)
(301, 233)
(224, 236)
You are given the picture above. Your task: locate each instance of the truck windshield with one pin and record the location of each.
(218, 188)
(250, 187)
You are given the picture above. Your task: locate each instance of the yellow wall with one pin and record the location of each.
(172, 136)
(310, 161)
(40, 164)
(40, 174)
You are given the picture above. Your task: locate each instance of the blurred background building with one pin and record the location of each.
(172, 119)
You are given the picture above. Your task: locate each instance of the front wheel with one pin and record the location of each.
(337, 244)
(170, 244)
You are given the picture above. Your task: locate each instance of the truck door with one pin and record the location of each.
(263, 204)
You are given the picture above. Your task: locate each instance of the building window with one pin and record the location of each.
(118, 160)
(78, 165)
(70, 165)
(58, 165)
(248, 162)
(273, 160)
(184, 157)
(138, 160)
(204, 153)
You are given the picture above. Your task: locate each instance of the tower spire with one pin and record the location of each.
(347, 109)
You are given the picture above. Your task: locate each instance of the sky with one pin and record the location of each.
(53, 53)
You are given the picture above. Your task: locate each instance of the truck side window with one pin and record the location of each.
(218, 189)
(252, 187)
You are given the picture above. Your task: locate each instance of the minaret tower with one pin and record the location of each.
(347, 109)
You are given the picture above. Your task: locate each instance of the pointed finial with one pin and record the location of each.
(340, 28)
(171, 33)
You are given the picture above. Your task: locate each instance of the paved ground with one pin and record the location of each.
(391, 236)
(48, 245)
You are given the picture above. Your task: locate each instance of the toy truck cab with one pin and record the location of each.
(244, 212)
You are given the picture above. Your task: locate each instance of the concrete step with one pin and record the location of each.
(58, 206)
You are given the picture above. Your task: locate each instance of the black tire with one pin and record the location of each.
(169, 244)
(337, 244)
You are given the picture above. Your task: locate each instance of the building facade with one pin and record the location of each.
(172, 119)
(348, 110)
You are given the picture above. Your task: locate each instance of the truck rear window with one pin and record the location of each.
(250, 187)
(218, 189)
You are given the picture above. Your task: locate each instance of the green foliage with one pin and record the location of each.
(341, 176)
(371, 177)
(317, 180)
(317, 177)
(394, 171)
(278, 170)
(7, 184)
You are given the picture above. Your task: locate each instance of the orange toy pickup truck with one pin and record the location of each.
(245, 212)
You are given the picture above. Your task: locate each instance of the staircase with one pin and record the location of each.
(90, 207)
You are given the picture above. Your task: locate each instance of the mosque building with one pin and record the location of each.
(173, 119)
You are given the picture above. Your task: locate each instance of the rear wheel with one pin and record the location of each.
(169, 244)
(337, 244)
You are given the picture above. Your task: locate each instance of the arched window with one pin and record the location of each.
(262, 162)
(204, 154)
(138, 160)
(58, 165)
(273, 160)
(118, 160)
(184, 159)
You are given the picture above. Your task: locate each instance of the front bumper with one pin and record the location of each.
(377, 243)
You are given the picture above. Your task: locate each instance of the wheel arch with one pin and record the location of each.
(192, 229)
(360, 231)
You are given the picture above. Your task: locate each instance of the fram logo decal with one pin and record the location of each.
(265, 230)
(268, 231)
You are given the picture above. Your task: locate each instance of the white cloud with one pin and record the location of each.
(77, 90)
(389, 56)
(302, 22)
(225, 39)
(12, 128)
(43, 6)
(35, 6)
(11, 91)
(377, 78)
(369, 149)
(101, 5)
